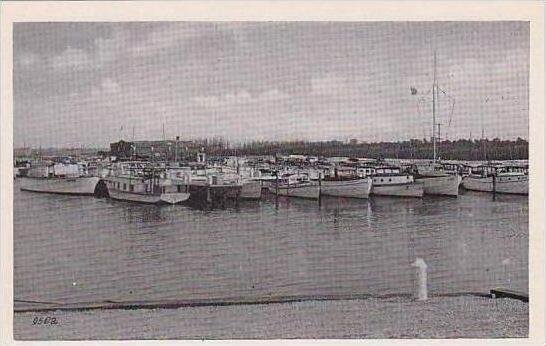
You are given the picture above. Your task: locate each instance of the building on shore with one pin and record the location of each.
(172, 150)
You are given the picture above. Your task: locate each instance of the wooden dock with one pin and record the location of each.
(506, 293)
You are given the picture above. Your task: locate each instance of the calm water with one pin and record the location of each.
(82, 249)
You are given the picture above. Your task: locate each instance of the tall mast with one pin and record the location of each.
(434, 113)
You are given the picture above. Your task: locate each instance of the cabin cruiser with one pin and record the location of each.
(345, 182)
(144, 183)
(437, 180)
(510, 179)
(296, 185)
(390, 181)
(59, 178)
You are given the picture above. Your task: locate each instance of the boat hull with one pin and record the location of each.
(174, 198)
(167, 198)
(66, 186)
(202, 192)
(359, 188)
(447, 185)
(251, 190)
(400, 190)
(515, 185)
(310, 191)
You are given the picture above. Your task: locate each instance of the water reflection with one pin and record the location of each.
(273, 246)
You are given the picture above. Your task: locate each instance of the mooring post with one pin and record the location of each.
(276, 189)
(209, 199)
(494, 183)
(420, 279)
(288, 186)
(320, 189)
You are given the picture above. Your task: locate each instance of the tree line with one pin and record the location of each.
(462, 149)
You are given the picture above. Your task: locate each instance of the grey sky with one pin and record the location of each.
(78, 83)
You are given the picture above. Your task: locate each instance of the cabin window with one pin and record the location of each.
(118, 185)
(131, 187)
(163, 189)
(178, 188)
(407, 177)
(390, 179)
(381, 179)
(124, 186)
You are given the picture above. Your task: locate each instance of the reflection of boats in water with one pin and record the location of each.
(296, 185)
(59, 178)
(498, 179)
(141, 183)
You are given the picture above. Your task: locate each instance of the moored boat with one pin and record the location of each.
(59, 178)
(349, 187)
(141, 183)
(389, 181)
(443, 185)
(296, 185)
(509, 180)
(435, 180)
(438, 182)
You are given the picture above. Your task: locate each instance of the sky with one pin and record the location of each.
(89, 84)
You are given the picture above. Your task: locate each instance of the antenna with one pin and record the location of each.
(434, 90)
(483, 133)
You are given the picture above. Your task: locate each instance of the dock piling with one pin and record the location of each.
(421, 279)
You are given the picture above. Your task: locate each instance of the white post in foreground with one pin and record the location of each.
(420, 279)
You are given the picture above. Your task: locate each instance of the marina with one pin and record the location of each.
(283, 179)
(215, 181)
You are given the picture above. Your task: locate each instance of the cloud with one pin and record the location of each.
(163, 38)
(109, 49)
(238, 98)
(28, 59)
(72, 58)
(328, 85)
(109, 86)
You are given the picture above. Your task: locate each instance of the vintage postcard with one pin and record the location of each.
(273, 170)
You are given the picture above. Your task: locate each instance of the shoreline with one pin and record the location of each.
(395, 317)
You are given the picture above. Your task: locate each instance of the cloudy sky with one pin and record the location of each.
(80, 83)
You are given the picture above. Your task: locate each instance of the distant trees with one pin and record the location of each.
(462, 149)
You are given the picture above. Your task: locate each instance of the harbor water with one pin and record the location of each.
(70, 249)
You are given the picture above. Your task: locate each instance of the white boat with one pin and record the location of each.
(438, 182)
(352, 188)
(389, 181)
(510, 180)
(59, 178)
(296, 185)
(136, 182)
(444, 185)
(247, 178)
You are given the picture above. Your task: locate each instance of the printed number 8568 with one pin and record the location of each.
(44, 320)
